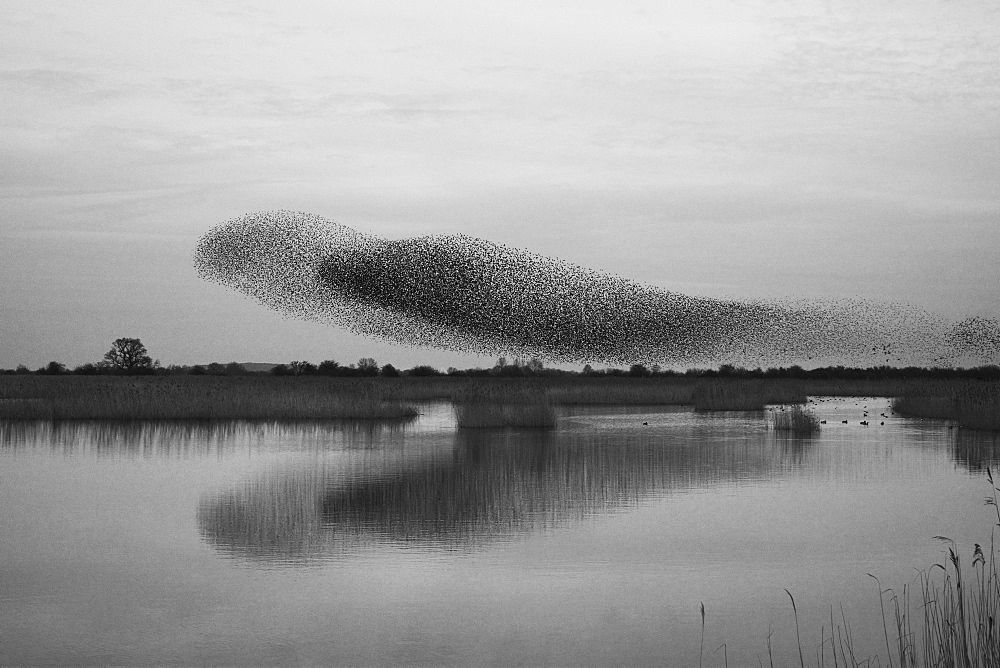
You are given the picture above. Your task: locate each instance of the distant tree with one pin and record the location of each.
(328, 368)
(215, 369)
(587, 370)
(198, 370)
(235, 369)
(639, 371)
(21, 369)
(389, 371)
(422, 370)
(510, 371)
(367, 367)
(281, 370)
(88, 369)
(54, 369)
(302, 369)
(535, 365)
(129, 356)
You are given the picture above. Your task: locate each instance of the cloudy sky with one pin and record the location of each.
(725, 149)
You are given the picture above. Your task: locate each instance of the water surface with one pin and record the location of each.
(415, 542)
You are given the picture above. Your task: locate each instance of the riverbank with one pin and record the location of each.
(196, 398)
(971, 403)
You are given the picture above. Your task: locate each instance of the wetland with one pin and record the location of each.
(412, 540)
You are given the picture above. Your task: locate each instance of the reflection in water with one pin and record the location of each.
(488, 485)
(159, 438)
(977, 450)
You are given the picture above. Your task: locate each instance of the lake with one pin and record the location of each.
(413, 542)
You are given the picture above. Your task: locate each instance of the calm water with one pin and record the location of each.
(415, 543)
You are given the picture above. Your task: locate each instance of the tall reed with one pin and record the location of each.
(960, 609)
(958, 622)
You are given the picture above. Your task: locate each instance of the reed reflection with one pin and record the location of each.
(489, 485)
(172, 438)
(977, 450)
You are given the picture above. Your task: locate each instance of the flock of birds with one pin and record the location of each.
(461, 293)
(864, 410)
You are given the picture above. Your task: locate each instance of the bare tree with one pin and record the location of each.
(128, 356)
(367, 366)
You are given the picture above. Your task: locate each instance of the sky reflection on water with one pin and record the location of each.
(492, 546)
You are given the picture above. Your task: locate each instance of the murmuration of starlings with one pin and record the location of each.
(465, 294)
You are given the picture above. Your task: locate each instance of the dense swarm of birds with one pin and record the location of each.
(465, 294)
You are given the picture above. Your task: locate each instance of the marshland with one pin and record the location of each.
(970, 398)
(487, 518)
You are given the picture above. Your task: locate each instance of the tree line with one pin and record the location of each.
(128, 356)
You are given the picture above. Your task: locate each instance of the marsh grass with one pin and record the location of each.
(486, 405)
(795, 420)
(622, 391)
(977, 406)
(196, 398)
(957, 620)
(744, 395)
(925, 406)
(973, 404)
(959, 609)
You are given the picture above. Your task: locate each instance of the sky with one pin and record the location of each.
(741, 149)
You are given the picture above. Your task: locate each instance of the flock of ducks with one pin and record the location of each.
(863, 423)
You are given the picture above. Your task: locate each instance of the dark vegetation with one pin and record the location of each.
(207, 397)
(971, 404)
(946, 617)
(795, 420)
(513, 393)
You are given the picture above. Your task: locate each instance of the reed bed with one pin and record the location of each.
(977, 406)
(957, 621)
(488, 405)
(621, 391)
(795, 420)
(196, 398)
(973, 404)
(745, 395)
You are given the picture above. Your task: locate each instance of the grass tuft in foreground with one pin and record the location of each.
(960, 610)
(957, 622)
